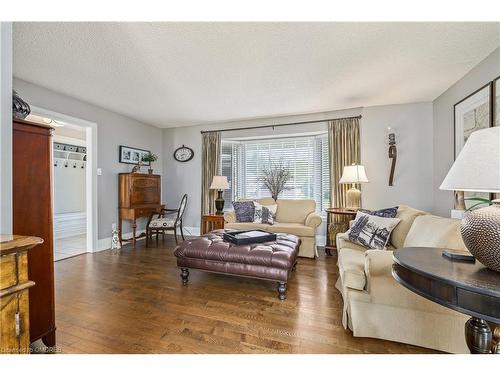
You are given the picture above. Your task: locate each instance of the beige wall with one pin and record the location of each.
(443, 139)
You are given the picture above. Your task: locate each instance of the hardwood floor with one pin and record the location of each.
(134, 302)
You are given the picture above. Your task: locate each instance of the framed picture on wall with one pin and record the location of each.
(472, 113)
(132, 155)
(496, 102)
(496, 111)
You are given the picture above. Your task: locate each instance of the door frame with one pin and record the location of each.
(91, 173)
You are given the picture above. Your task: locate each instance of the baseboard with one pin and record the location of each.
(105, 243)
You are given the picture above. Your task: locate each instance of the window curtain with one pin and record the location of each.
(344, 148)
(211, 155)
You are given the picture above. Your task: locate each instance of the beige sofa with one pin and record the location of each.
(293, 216)
(375, 305)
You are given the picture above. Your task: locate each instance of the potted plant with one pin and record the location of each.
(150, 158)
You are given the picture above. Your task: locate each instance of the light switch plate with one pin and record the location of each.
(99, 171)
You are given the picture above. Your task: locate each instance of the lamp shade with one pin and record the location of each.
(477, 167)
(219, 183)
(353, 174)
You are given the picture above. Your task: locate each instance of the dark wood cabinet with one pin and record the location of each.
(32, 216)
(139, 196)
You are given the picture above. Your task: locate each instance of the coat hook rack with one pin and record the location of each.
(393, 153)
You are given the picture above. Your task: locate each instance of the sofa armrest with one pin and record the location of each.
(378, 263)
(313, 220)
(230, 217)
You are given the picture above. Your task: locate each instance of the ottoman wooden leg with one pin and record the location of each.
(281, 290)
(184, 276)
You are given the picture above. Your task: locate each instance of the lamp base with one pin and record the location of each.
(480, 231)
(219, 203)
(353, 199)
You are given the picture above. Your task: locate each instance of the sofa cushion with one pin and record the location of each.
(407, 215)
(435, 231)
(294, 210)
(292, 228)
(244, 211)
(371, 231)
(384, 212)
(352, 268)
(264, 214)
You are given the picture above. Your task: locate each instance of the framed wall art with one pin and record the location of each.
(132, 155)
(473, 113)
(496, 101)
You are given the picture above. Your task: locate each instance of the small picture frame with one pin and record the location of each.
(133, 155)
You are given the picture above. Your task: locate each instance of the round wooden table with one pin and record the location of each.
(337, 221)
(467, 287)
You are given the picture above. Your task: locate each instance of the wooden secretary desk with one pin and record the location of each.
(139, 196)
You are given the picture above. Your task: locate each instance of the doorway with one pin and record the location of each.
(74, 183)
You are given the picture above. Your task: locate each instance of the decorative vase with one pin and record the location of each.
(150, 170)
(115, 240)
(481, 234)
(20, 109)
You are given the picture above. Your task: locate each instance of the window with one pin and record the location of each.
(306, 157)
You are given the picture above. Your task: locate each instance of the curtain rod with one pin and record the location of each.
(276, 125)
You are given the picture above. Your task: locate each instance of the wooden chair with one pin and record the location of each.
(166, 221)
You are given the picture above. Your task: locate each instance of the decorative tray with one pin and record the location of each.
(245, 237)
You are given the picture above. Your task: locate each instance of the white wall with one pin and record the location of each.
(6, 127)
(69, 181)
(413, 174)
(413, 179)
(444, 154)
(113, 130)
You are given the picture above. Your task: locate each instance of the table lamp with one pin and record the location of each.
(219, 183)
(353, 174)
(477, 168)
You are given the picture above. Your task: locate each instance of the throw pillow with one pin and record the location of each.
(244, 211)
(371, 231)
(264, 214)
(384, 212)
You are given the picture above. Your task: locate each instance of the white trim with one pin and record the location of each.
(69, 224)
(105, 243)
(91, 177)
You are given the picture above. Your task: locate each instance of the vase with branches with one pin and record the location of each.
(274, 177)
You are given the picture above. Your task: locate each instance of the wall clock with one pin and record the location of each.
(183, 154)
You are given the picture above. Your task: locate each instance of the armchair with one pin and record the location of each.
(167, 219)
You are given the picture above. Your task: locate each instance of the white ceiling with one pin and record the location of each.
(176, 74)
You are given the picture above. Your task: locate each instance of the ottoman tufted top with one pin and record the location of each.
(281, 253)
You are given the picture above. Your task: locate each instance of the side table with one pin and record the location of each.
(466, 287)
(337, 221)
(211, 222)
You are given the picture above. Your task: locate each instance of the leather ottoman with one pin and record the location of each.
(273, 261)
